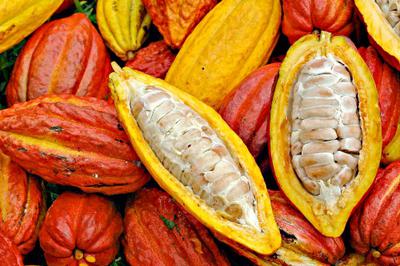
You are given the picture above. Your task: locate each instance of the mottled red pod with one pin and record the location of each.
(9, 253)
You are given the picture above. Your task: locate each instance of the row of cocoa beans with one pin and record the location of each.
(62, 127)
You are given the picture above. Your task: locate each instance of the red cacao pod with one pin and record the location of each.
(303, 17)
(374, 227)
(64, 56)
(21, 205)
(9, 253)
(160, 232)
(155, 59)
(246, 109)
(74, 141)
(80, 229)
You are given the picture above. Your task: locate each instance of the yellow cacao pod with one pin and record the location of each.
(124, 25)
(391, 152)
(18, 19)
(233, 39)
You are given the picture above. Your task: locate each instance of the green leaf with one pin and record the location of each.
(86, 7)
(168, 223)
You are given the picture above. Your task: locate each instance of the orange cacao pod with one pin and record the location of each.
(21, 205)
(64, 56)
(155, 59)
(387, 82)
(176, 19)
(9, 253)
(70, 140)
(246, 109)
(160, 232)
(303, 17)
(80, 229)
(374, 227)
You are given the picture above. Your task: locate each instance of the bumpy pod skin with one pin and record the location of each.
(81, 229)
(246, 109)
(382, 34)
(124, 25)
(64, 56)
(9, 253)
(21, 205)
(18, 19)
(303, 17)
(45, 137)
(263, 237)
(154, 59)
(374, 227)
(215, 58)
(176, 19)
(149, 241)
(328, 209)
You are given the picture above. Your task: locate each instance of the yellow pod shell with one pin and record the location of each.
(330, 222)
(391, 152)
(124, 25)
(18, 19)
(265, 241)
(233, 39)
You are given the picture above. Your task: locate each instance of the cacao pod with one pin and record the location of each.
(9, 253)
(325, 131)
(391, 152)
(18, 19)
(159, 232)
(21, 205)
(194, 155)
(382, 20)
(374, 227)
(246, 109)
(302, 244)
(155, 59)
(354, 259)
(303, 17)
(387, 82)
(74, 141)
(80, 229)
(176, 19)
(64, 56)
(233, 39)
(124, 25)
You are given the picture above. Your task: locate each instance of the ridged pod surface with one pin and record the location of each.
(159, 232)
(45, 137)
(81, 229)
(9, 253)
(194, 155)
(124, 25)
(374, 227)
(176, 19)
(382, 19)
(18, 19)
(154, 59)
(246, 109)
(64, 56)
(22, 206)
(325, 130)
(303, 17)
(387, 82)
(233, 39)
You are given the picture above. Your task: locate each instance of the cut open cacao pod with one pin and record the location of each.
(44, 136)
(9, 253)
(194, 155)
(325, 130)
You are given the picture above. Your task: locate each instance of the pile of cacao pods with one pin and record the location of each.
(146, 132)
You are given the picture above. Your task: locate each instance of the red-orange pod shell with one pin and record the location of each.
(74, 141)
(246, 109)
(159, 232)
(21, 205)
(374, 227)
(80, 229)
(9, 253)
(303, 17)
(64, 56)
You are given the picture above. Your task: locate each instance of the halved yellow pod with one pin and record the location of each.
(135, 94)
(325, 131)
